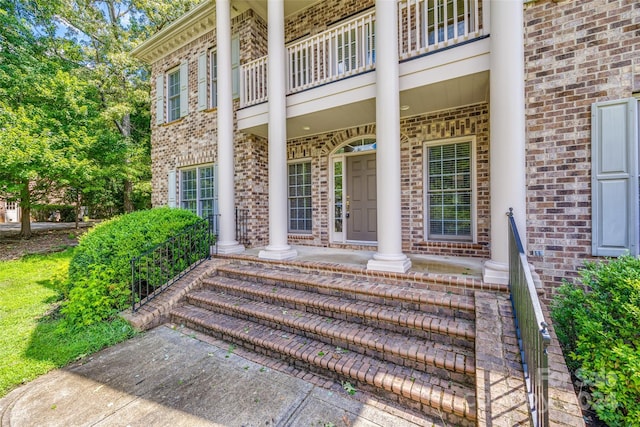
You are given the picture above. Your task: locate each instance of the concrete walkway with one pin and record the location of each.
(14, 227)
(167, 378)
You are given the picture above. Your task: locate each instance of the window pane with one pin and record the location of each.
(173, 95)
(300, 197)
(198, 191)
(449, 191)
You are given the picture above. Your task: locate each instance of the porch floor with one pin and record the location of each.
(449, 265)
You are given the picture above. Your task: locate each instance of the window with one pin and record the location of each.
(198, 191)
(173, 95)
(299, 67)
(449, 191)
(235, 73)
(300, 197)
(444, 23)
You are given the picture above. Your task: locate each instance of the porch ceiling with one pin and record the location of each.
(260, 6)
(442, 95)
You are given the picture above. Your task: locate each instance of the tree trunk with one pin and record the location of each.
(128, 190)
(77, 208)
(25, 208)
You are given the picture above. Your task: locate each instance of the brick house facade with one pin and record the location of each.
(574, 55)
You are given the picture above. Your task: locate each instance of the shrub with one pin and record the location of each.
(100, 272)
(598, 325)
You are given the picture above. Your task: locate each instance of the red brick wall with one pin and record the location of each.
(576, 53)
(415, 131)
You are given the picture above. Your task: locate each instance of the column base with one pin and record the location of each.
(229, 248)
(278, 254)
(391, 263)
(495, 272)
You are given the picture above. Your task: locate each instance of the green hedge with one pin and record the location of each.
(598, 324)
(99, 284)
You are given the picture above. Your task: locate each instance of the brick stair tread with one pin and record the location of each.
(437, 393)
(447, 357)
(352, 286)
(462, 328)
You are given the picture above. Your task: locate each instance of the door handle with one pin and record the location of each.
(348, 207)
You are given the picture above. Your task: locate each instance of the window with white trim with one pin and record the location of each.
(440, 23)
(198, 190)
(449, 191)
(235, 72)
(300, 212)
(173, 95)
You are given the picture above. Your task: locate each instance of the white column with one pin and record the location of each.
(507, 152)
(389, 256)
(278, 247)
(226, 172)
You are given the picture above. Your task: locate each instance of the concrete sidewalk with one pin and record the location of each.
(167, 378)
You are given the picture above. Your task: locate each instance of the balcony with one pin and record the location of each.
(347, 51)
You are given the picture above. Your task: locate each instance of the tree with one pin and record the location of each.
(45, 110)
(108, 31)
(74, 105)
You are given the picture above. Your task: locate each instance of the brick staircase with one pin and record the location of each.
(409, 346)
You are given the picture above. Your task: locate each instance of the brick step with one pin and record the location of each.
(440, 302)
(443, 329)
(434, 396)
(445, 360)
(454, 283)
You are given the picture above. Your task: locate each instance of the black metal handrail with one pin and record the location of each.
(159, 267)
(533, 335)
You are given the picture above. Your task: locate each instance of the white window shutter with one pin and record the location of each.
(171, 195)
(235, 67)
(160, 99)
(202, 81)
(184, 88)
(614, 177)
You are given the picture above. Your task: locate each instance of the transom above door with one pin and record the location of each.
(354, 211)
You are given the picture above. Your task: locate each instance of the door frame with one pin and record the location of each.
(338, 155)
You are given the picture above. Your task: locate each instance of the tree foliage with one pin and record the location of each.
(99, 284)
(74, 105)
(597, 322)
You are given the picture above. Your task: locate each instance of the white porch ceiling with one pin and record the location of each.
(458, 92)
(260, 6)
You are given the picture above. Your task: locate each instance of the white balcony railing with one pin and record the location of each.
(348, 49)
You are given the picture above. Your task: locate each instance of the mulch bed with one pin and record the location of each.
(43, 241)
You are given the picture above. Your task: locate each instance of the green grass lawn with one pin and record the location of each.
(31, 339)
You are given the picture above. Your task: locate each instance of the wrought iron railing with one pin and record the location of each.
(242, 226)
(533, 336)
(161, 266)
